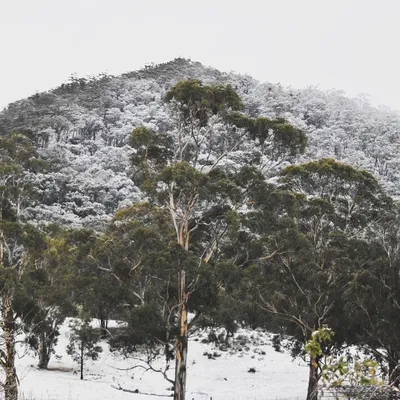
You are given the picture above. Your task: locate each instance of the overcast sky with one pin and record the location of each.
(343, 44)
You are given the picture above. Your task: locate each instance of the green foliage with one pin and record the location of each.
(355, 194)
(374, 290)
(185, 177)
(199, 102)
(336, 372)
(18, 153)
(149, 146)
(45, 296)
(20, 243)
(18, 160)
(314, 345)
(146, 326)
(339, 373)
(316, 247)
(287, 140)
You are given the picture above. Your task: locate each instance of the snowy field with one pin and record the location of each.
(226, 377)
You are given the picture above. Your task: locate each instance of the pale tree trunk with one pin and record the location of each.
(44, 351)
(11, 383)
(181, 346)
(312, 392)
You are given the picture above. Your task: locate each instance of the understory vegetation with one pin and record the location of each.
(227, 226)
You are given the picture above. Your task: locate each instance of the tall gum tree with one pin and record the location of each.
(18, 162)
(46, 295)
(375, 291)
(306, 283)
(192, 172)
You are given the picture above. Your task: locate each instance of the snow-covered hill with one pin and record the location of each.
(224, 377)
(83, 127)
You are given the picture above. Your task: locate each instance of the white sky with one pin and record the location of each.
(343, 44)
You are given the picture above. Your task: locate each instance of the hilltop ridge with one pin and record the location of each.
(82, 129)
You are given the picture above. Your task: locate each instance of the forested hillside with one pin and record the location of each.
(179, 200)
(82, 130)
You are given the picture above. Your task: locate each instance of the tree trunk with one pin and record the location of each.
(81, 360)
(181, 347)
(11, 383)
(312, 392)
(103, 325)
(44, 352)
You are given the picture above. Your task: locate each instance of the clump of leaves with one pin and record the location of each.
(339, 372)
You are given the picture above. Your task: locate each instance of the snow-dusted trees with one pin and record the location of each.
(86, 119)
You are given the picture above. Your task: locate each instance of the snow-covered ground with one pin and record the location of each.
(226, 377)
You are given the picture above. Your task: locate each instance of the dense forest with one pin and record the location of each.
(178, 198)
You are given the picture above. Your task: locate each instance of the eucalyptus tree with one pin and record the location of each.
(48, 292)
(132, 257)
(19, 242)
(139, 253)
(375, 290)
(307, 281)
(83, 342)
(194, 173)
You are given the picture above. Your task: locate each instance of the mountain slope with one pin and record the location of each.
(82, 129)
